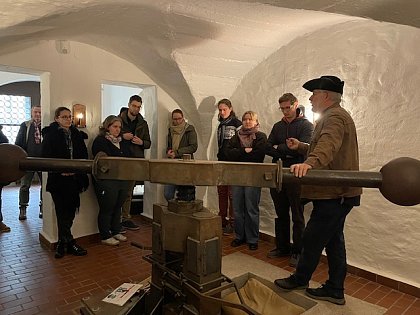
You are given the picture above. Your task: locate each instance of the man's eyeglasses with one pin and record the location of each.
(65, 117)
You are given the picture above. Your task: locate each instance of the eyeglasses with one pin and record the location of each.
(65, 117)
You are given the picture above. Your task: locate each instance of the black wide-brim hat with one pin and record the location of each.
(326, 82)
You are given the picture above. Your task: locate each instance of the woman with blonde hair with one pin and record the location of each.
(248, 145)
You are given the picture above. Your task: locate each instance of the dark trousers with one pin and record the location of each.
(225, 203)
(285, 201)
(25, 184)
(325, 230)
(65, 209)
(111, 195)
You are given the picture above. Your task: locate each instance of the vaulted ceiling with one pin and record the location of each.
(191, 48)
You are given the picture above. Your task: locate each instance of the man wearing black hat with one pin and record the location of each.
(333, 147)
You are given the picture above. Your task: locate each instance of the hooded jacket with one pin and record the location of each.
(188, 143)
(141, 131)
(299, 128)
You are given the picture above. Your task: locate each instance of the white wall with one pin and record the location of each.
(379, 63)
(76, 77)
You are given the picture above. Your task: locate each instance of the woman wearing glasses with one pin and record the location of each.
(61, 140)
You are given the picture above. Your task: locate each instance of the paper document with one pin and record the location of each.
(122, 294)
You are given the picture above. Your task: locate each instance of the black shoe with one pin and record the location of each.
(75, 249)
(130, 225)
(236, 242)
(22, 213)
(294, 260)
(60, 250)
(325, 294)
(253, 246)
(288, 284)
(274, 253)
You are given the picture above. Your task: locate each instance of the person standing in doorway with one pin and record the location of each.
(295, 125)
(228, 125)
(182, 139)
(29, 139)
(333, 147)
(135, 133)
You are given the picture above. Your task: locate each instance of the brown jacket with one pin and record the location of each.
(333, 147)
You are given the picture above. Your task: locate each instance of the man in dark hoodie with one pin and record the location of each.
(295, 125)
(135, 131)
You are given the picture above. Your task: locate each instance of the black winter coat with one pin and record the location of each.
(235, 152)
(54, 146)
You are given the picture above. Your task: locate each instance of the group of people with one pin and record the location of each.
(126, 135)
(331, 145)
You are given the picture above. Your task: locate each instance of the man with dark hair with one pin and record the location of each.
(333, 147)
(135, 131)
(29, 139)
(293, 124)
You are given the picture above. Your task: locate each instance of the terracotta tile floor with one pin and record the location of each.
(32, 281)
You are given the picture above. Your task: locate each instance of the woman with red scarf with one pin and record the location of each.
(248, 145)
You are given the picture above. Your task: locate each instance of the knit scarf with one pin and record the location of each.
(114, 140)
(69, 143)
(247, 136)
(176, 133)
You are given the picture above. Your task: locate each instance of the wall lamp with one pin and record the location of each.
(79, 115)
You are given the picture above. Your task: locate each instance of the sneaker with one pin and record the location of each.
(236, 242)
(110, 241)
(323, 293)
(288, 284)
(294, 259)
(130, 225)
(120, 237)
(274, 253)
(227, 230)
(4, 228)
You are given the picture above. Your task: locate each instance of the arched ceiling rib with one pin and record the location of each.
(181, 44)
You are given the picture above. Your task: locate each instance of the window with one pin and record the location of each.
(13, 111)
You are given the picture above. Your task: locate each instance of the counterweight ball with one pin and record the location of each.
(10, 156)
(401, 181)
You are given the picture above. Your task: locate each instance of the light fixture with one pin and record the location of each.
(79, 115)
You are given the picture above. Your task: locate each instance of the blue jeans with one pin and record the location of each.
(247, 213)
(169, 192)
(325, 230)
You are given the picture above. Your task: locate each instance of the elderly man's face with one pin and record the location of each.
(318, 99)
